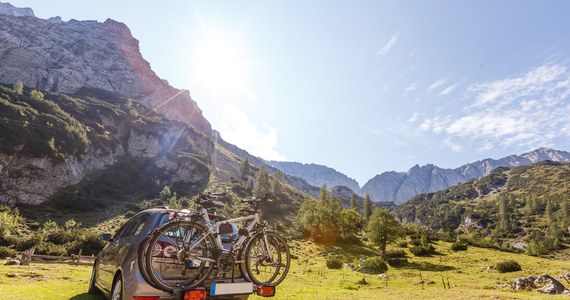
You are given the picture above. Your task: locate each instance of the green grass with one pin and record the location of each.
(310, 279)
(45, 281)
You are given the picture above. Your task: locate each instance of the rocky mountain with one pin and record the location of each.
(316, 175)
(84, 121)
(401, 186)
(59, 56)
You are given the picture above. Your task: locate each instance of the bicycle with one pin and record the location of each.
(184, 251)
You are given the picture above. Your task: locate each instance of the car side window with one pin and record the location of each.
(134, 226)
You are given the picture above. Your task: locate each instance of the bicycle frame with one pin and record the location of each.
(214, 229)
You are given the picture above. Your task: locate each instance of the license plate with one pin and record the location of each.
(231, 288)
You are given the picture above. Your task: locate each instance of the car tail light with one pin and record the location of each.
(195, 295)
(266, 291)
(156, 249)
(162, 249)
(146, 297)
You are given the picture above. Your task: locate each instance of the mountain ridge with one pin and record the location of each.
(401, 186)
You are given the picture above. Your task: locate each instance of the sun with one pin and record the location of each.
(219, 62)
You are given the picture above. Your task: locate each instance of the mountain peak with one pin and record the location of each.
(11, 10)
(316, 175)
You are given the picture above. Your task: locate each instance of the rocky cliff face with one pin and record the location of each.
(316, 175)
(31, 173)
(400, 187)
(66, 56)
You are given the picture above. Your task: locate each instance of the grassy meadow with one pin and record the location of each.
(465, 271)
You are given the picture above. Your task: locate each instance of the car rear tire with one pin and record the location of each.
(93, 290)
(117, 290)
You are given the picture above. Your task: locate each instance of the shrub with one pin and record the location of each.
(60, 237)
(458, 246)
(334, 263)
(398, 253)
(508, 266)
(416, 242)
(22, 242)
(403, 244)
(376, 265)
(422, 250)
(7, 252)
(397, 261)
(89, 241)
(48, 248)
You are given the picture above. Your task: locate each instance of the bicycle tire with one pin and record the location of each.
(141, 261)
(167, 259)
(264, 270)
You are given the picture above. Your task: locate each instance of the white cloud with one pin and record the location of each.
(412, 87)
(236, 128)
(452, 145)
(414, 117)
(448, 90)
(529, 110)
(389, 44)
(542, 80)
(436, 84)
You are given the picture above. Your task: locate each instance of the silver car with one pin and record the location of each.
(116, 271)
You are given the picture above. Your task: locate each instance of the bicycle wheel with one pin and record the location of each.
(179, 255)
(267, 262)
(141, 261)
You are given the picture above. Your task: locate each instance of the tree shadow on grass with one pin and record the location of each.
(86, 296)
(426, 266)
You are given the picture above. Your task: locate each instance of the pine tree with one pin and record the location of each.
(367, 208)
(354, 203)
(323, 192)
(504, 215)
(262, 184)
(244, 169)
(277, 188)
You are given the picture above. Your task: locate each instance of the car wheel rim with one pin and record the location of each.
(117, 290)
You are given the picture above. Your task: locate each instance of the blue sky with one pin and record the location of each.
(361, 86)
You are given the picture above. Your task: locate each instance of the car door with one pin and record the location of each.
(108, 256)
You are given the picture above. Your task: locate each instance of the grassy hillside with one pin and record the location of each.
(513, 207)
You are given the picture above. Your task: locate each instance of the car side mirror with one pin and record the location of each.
(107, 237)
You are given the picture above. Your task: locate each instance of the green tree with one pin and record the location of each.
(9, 222)
(70, 224)
(383, 229)
(349, 222)
(244, 169)
(319, 219)
(19, 87)
(277, 188)
(367, 208)
(37, 95)
(262, 184)
(354, 203)
(504, 215)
